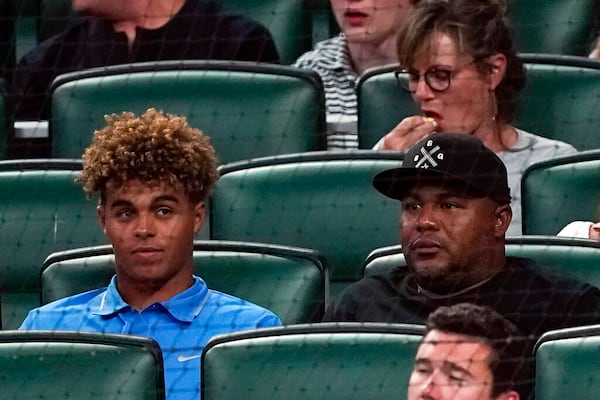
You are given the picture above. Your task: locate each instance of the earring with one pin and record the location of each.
(494, 105)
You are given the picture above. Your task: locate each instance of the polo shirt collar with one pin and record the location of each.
(184, 306)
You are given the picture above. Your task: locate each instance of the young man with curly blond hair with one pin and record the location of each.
(153, 174)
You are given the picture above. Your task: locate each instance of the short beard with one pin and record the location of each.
(455, 276)
(447, 280)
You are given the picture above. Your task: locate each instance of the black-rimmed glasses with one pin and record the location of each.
(438, 79)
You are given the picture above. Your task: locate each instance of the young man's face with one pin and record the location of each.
(151, 228)
(451, 367)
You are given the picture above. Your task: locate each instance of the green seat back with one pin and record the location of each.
(291, 282)
(248, 110)
(25, 25)
(41, 211)
(382, 104)
(559, 101)
(324, 25)
(557, 192)
(323, 201)
(553, 26)
(79, 365)
(567, 364)
(288, 21)
(578, 258)
(323, 361)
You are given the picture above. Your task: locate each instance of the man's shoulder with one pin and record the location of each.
(539, 298)
(240, 310)
(59, 313)
(62, 44)
(389, 279)
(324, 53)
(527, 271)
(382, 297)
(74, 301)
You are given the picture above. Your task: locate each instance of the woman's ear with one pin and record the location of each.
(509, 395)
(498, 63)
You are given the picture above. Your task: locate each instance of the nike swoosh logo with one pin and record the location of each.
(187, 358)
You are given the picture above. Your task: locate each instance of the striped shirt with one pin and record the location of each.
(331, 60)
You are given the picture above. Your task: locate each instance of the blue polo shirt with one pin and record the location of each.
(181, 325)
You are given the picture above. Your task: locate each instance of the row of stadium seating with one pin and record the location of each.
(548, 26)
(252, 110)
(336, 361)
(321, 201)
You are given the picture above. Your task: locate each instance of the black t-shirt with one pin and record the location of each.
(533, 300)
(201, 30)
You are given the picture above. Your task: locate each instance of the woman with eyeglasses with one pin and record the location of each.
(462, 69)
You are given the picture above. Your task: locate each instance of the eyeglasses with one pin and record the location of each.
(438, 79)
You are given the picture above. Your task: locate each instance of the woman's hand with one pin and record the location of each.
(408, 132)
(595, 231)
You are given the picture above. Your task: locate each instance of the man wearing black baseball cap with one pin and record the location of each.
(455, 213)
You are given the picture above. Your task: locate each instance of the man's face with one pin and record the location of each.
(451, 367)
(370, 21)
(151, 228)
(448, 236)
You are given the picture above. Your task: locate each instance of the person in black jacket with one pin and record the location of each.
(118, 32)
(455, 212)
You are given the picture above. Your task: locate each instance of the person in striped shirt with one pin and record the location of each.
(367, 39)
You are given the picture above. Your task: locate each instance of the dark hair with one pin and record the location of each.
(151, 147)
(478, 28)
(510, 362)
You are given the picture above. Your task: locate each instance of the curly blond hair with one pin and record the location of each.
(152, 147)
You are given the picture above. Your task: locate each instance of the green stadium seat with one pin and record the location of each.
(25, 14)
(382, 104)
(321, 200)
(42, 210)
(291, 282)
(561, 100)
(559, 191)
(288, 21)
(567, 364)
(578, 258)
(249, 110)
(324, 361)
(79, 365)
(324, 25)
(553, 26)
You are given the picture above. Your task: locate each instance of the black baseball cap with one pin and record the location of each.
(454, 159)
